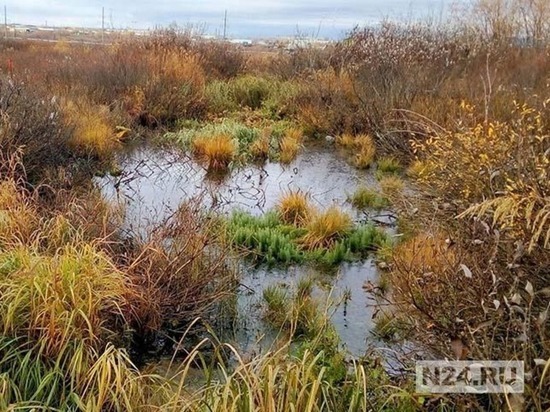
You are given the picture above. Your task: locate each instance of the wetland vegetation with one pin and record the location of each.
(185, 225)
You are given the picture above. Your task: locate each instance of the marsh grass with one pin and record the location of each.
(217, 151)
(361, 149)
(364, 198)
(58, 314)
(294, 310)
(366, 150)
(392, 186)
(328, 241)
(93, 134)
(312, 377)
(389, 327)
(345, 140)
(294, 208)
(388, 165)
(261, 146)
(19, 219)
(325, 228)
(289, 145)
(256, 141)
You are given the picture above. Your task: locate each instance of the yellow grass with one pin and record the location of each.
(294, 208)
(18, 219)
(417, 169)
(366, 150)
(327, 227)
(345, 140)
(92, 131)
(260, 147)
(391, 185)
(290, 145)
(424, 253)
(217, 151)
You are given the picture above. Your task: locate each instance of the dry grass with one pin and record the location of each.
(417, 169)
(366, 150)
(290, 145)
(294, 208)
(217, 151)
(326, 227)
(19, 219)
(92, 132)
(261, 146)
(392, 186)
(346, 140)
(181, 272)
(424, 254)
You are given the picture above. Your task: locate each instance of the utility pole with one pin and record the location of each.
(103, 25)
(5, 21)
(225, 25)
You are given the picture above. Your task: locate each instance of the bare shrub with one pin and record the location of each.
(31, 125)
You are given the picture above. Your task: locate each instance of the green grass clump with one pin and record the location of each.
(246, 91)
(251, 91)
(271, 139)
(388, 165)
(267, 239)
(294, 311)
(365, 198)
(220, 97)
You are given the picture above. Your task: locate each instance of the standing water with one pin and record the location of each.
(154, 182)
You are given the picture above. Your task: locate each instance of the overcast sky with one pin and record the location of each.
(246, 18)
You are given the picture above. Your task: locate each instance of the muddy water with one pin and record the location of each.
(154, 182)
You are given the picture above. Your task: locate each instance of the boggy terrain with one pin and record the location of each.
(184, 226)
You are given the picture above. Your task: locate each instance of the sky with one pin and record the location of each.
(245, 18)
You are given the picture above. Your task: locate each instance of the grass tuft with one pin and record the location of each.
(364, 198)
(391, 186)
(294, 208)
(217, 151)
(92, 130)
(388, 165)
(366, 150)
(290, 145)
(325, 228)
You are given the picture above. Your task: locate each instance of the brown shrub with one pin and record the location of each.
(31, 127)
(181, 271)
